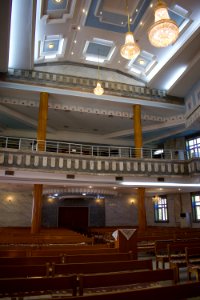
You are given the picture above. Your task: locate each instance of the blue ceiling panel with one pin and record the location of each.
(98, 49)
(53, 5)
(119, 22)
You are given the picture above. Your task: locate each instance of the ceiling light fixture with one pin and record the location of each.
(98, 90)
(130, 49)
(164, 31)
(155, 199)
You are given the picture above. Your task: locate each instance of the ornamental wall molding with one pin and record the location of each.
(90, 110)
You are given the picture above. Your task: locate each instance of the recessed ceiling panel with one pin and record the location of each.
(56, 4)
(100, 14)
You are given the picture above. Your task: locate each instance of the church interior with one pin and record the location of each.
(99, 147)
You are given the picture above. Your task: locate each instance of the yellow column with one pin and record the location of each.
(142, 223)
(137, 130)
(41, 137)
(42, 121)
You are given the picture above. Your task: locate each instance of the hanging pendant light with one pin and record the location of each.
(164, 31)
(155, 199)
(98, 90)
(130, 49)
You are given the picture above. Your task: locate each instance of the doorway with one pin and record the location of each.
(74, 218)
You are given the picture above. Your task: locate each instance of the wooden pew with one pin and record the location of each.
(97, 257)
(14, 271)
(30, 260)
(54, 250)
(81, 258)
(101, 267)
(173, 252)
(74, 251)
(96, 281)
(16, 287)
(172, 292)
(161, 252)
(193, 261)
(177, 256)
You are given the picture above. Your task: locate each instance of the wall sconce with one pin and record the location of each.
(9, 199)
(98, 200)
(132, 201)
(50, 200)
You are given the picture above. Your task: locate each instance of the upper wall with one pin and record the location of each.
(192, 103)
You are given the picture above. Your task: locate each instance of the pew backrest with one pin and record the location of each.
(101, 267)
(172, 292)
(93, 281)
(35, 286)
(30, 260)
(98, 257)
(24, 271)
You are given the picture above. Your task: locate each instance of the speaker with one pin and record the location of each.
(9, 172)
(161, 179)
(119, 178)
(70, 176)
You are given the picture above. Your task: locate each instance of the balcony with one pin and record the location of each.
(22, 153)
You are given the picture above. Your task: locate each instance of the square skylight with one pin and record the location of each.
(53, 5)
(51, 46)
(98, 50)
(142, 64)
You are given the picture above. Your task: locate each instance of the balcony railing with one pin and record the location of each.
(33, 145)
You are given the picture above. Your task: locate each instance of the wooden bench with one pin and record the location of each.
(81, 258)
(97, 257)
(173, 252)
(172, 292)
(94, 282)
(14, 271)
(177, 254)
(101, 267)
(161, 252)
(20, 287)
(30, 260)
(74, 251)
(193, 261)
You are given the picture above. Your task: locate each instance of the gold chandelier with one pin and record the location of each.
(98, 90)
(155, 199)
(130, 49)
(164, 31)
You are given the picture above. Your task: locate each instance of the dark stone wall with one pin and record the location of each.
(50, 209)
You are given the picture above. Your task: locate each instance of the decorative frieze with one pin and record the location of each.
(132, 166)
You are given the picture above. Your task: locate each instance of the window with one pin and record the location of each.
(196, 207)
(161, 209)
(193, 147)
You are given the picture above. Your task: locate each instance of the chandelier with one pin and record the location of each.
(98, 90)
(130, 49)
(155, 199)
(164, 31)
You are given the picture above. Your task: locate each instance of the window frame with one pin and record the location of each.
(195, 204)
(193, 147)
(161, 209)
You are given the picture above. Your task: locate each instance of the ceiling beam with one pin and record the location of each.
(23, 118)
